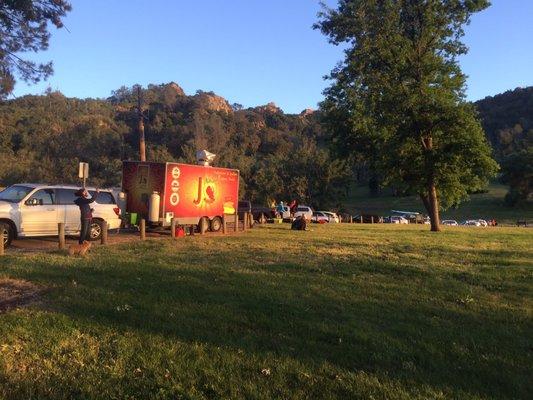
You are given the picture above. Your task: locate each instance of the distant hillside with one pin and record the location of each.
(280, 156)
(508, 119)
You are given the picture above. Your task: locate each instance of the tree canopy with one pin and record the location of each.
(23, 28)
(400, 92)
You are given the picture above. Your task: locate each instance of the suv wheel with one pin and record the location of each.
(6, 233)
(95, 233)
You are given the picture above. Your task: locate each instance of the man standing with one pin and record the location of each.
(83, 202)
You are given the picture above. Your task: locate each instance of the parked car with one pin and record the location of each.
(332, 216)
(397, 219)
(262, 214)
(450, 222)
(320, 217)
(471, 222)
(28, 210)
(305, 211)
(286, 214)
(483, 223)
(367, 218)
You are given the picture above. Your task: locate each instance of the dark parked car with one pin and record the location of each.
(367, 219)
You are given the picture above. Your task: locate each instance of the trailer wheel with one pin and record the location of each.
(216, 224)
(203, 224)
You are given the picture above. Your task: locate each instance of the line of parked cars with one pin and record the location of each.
(262, 214)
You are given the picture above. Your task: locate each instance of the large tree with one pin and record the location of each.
(23, 28)
(400, 90)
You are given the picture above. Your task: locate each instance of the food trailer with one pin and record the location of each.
(191, 194)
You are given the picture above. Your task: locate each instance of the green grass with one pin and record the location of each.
(484, 205)
(344, 312)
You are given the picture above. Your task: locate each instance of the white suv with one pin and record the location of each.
(28, 210)
(304, 211)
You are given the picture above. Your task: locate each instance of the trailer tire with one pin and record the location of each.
(203, 224)
(216, 224)
(6, 233)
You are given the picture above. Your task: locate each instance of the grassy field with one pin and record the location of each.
(338, 312)
(484, 205)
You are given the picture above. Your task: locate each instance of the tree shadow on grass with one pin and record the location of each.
(396, 322)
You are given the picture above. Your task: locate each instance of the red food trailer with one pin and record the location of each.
(191, 194)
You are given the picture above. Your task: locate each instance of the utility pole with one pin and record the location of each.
(142, 144)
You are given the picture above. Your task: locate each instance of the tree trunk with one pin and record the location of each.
(431, 203)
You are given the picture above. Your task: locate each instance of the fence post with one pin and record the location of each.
(142, 228)
(1, 243)
(236, 221)
(351, 219)
(224, 227)
(61, 235)
(372, 219)
(250, 220)
(202, 226)
(361, 218)
(173, 228)
(103, 237)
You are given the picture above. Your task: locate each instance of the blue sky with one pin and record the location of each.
(248, 51)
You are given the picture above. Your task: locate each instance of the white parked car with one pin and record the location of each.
(320, 217)
(28, 210)
(482, 222)
(332, 216)
(396, 219)
(449, 222)
(305, 211)
(471, 222)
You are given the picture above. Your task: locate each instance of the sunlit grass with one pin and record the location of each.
(342, 312)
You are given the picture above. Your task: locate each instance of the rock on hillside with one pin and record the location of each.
(212, 102)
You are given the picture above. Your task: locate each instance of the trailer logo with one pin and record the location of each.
(174, 186)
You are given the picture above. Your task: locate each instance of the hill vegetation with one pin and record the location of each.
(281, 156)
(42, 138)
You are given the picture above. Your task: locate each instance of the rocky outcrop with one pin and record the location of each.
(271, 108)
(212, 102)
(307, 112)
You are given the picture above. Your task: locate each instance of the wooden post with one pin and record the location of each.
(371, 219)
(140, 126)
(103, 237)
(361, 218)
(61, 235)
(351, 219)
(142, 228)
(250, 220)
(244, 221)
(224, 222)
(236, 221)
(202, 226)
(173, 228)
(1, 243)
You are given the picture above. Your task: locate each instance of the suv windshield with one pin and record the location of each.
(15, 193)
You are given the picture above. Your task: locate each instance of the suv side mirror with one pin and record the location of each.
(34, 202)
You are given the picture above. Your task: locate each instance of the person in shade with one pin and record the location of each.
(86, 213)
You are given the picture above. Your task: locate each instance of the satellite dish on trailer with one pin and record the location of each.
(204, 157)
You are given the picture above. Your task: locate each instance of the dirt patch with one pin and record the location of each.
(17, 293)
